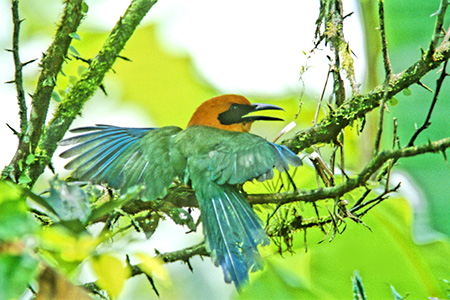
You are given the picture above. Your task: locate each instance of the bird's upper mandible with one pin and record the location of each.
(230, 112)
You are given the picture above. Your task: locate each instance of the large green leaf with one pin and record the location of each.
(15, 220)
(388, 254)
(16, 273)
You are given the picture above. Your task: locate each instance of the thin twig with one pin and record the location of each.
(427, 122)
(438, 29)
(334, 33)
(18, 76)
(388, 71)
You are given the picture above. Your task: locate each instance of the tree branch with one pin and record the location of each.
(51, 66)
(427, 121)
(438, 29)
(387, 70)
(18, 76)
(70, 107)
(358, 105)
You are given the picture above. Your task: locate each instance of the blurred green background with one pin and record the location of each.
(408, 247)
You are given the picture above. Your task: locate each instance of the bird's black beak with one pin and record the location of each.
(238, 113)
(259, 107)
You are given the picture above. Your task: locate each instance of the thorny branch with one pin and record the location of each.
(388, 71)
(18, 76)
(51, 65)
(427, 121)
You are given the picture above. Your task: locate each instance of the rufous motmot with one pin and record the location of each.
(214, 154)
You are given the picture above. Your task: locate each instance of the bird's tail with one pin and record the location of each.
(232, 230)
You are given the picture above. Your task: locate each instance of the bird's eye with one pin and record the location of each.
(233, 106)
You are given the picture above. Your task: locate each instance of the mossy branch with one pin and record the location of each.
(18, 76)
(72, 104)
(357, 106)
(51, 66)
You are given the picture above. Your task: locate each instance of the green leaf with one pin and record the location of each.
(56, 96)
(39, 200)
(84, 7)
(30, 159)
(393, 101)
(24, 179)
(16, 272)
(75, 35)
(65, 247)
(179, 215)
(407, 92)
(111, 205)
(153, 267)
(81, 69)
(70, 202)
(358, 288)
(111, 273)
(15, 220)
(73, 50)
(284, 282)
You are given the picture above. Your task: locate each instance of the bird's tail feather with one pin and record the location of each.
(232, 229)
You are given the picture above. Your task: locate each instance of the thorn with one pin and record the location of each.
(12, 129)
(124, 58)
(445, 157)
(52, 169)
(9, 50)
(152, 283)
(88, 61)
(28, 62)
(425, 87)
(31, 95)
(10, 81)
(102, 87)
(188, 262)
(347, 15)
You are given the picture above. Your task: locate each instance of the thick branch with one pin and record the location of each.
(184, 254)
(438, 29)
(51, 66)
(82, 90)
(353, 183)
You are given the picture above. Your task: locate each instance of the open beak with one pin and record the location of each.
(259, 107)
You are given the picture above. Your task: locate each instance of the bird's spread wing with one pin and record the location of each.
(123, 157)
(236, 157)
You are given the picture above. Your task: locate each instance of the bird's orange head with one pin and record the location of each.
(230, 112)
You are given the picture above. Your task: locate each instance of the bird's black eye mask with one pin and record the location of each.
(237, 113)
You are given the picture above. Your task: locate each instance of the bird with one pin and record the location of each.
(214, 155)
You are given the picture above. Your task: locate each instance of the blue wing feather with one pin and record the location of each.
(123, 157)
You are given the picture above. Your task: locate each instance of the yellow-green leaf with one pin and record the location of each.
(111, 273)
(153, 267)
